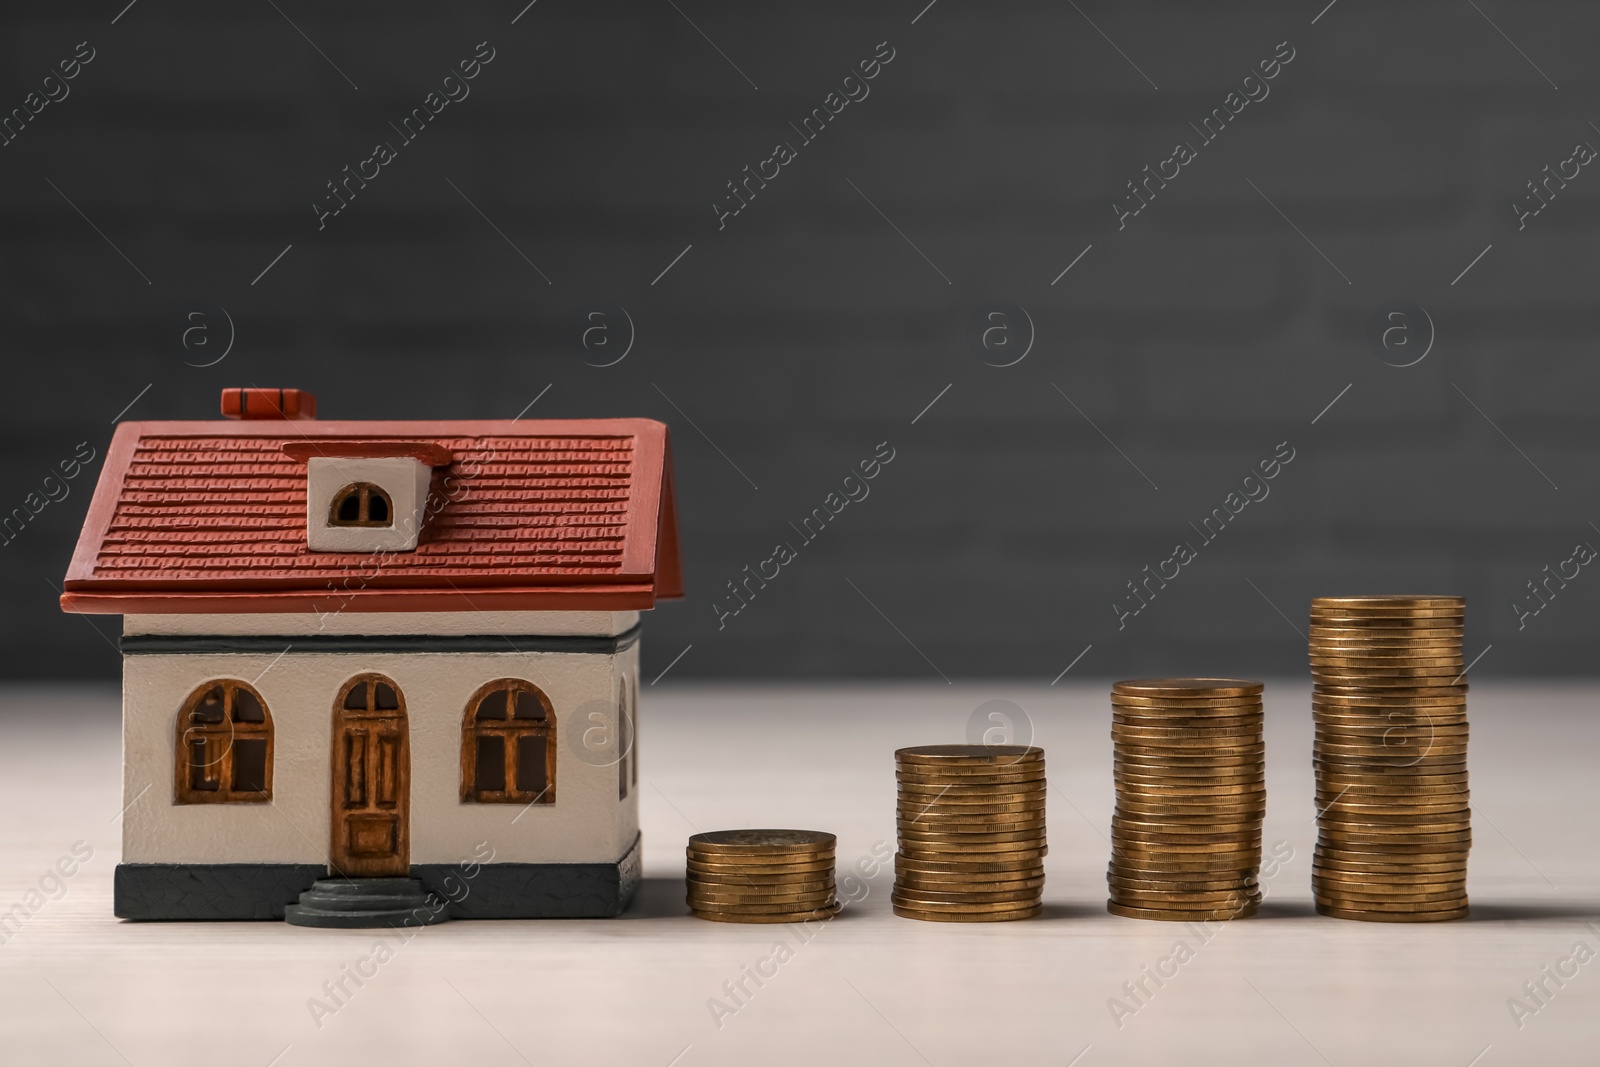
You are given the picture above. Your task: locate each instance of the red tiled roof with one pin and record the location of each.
(211, 517)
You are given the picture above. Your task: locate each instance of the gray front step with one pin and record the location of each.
(355, 903)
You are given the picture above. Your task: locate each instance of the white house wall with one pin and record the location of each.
(587, 823)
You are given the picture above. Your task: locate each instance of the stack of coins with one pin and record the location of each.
(761, 876)
(1191, 790)
(1390, 703)
(971, 829)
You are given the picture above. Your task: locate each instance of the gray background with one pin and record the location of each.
(827, 316)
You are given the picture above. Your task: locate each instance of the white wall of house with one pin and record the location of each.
(587, 822)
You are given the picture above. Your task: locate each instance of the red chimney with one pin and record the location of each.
(268, 404)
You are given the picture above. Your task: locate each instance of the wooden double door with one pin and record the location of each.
(371, 835)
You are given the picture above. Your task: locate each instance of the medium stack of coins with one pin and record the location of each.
(761, 876)
(1191, 790)
(971, 829)
(1390, 703)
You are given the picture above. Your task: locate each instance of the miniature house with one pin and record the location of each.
(373, 655)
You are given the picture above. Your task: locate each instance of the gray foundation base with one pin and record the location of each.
(534, 890)
(210, 892)
(217, 892)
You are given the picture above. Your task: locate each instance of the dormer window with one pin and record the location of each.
(361, 504)
(366, 495)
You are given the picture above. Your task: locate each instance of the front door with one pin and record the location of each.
(371, 780)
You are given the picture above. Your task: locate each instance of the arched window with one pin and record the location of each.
(361, 504)
(508, 753)
(224, 746)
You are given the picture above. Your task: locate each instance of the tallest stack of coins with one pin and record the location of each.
(1390, 703)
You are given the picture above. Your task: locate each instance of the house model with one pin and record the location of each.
(369, 666)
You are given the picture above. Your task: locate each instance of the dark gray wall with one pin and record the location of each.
(820, 321)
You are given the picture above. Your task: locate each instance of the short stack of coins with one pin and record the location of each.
(761, 876)
(971, 832)
(1191, 792)
(1393, 818)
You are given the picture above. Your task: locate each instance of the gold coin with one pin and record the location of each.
(968, 755)
(1185, 741)
(1446, 902)
(1186, 823)
(1350, 890)
(998, 837)
(1247, 883)
(1218, 878)
(980, 883)
(1164, 815)
(762, 842)
(924, 783)
(1022, 873)
(979, 805)
(783, 908)
(1201, 708)
(934, 904)
(1226, 898)
(1394, 871)
(1392, 917)
(1015, 852)
(753, 869)
(1391, 600)
(1191, 687)
(719, 916)
(956, 791)
(1181, 914)
(1394, 855)
(902, 894)
(994, 823)
(1389, 779)
(943, 864)
(1324, 637)
(741, 878)
(1191, 790)
(795, 901)
(929, 915)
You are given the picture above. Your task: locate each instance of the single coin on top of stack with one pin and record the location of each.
(1393, 818)
(971, 832)
(761, 876)
(1191, 791)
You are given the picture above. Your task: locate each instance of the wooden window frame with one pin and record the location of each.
(225, 733)
(365, 492)
(511, 729)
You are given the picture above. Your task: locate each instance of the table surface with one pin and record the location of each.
(1286, 987)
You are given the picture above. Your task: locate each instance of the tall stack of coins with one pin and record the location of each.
(1390, 704)
(1191, 791)
(971, 829)
(761, 876)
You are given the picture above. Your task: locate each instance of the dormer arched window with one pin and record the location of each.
(361, 504)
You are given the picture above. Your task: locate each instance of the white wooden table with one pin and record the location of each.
(1288, 987)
